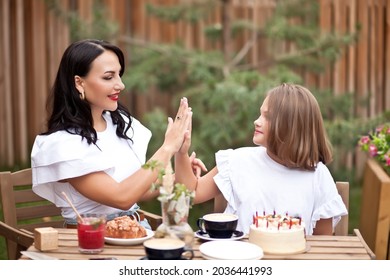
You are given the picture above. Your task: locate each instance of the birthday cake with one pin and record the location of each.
(278, 234)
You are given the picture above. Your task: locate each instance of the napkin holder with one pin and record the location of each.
(45, 238)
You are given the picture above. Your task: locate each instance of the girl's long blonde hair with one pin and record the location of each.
(297, 136)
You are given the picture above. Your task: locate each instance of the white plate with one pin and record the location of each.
(205, 236)
(129, 241)
(230, 250)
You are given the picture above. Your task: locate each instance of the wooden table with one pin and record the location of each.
(352, 247)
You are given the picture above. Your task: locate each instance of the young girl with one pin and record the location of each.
(285, 173)
(93, 149)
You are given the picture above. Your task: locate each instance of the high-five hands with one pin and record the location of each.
(178, 129)
(197, 165)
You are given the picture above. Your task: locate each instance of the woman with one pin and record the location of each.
(286, 173)
(93, 149)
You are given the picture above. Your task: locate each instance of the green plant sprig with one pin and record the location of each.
(153, 165)
(178, 188)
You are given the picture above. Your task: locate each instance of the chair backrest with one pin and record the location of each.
(340, 229)
(22, 208)
(153, 219)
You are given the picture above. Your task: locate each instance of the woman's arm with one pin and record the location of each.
(102, 188)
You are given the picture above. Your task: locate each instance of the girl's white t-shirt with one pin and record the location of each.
(63, 155)
(252, 182)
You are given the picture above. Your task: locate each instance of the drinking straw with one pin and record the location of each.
(74, 209)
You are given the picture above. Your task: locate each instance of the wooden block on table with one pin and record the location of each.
(46, 238)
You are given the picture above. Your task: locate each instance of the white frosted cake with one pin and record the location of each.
(278, 234)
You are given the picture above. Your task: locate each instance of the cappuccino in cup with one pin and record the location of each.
(167, 249)
(218, 225)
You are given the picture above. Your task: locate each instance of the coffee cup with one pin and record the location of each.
(167, 249)
(218, 225)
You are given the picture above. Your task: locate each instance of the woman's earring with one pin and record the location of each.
(82, 95)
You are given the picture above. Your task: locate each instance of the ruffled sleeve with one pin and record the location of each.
(62, 155)
(328, 202)
(223, 179)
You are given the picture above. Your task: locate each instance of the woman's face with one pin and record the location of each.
(103, 84)
(261, 126)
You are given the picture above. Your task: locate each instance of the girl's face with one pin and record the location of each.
(103, 84)
(261, 126)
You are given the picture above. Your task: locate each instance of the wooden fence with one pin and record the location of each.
(33, 38)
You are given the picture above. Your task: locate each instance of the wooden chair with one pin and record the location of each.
(23, 210)
(369, 251)
(153, 219)
(340, 229)
(22, 239)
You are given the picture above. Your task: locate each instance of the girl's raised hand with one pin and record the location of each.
(197, 165)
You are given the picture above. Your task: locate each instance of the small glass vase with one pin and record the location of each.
(175, 221)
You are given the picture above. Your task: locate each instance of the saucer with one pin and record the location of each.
(237, 235)
(230, 250)
(181, 258)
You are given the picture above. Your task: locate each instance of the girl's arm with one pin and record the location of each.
(205, 187)
(323, 227)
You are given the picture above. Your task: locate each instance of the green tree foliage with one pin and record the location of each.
(224, 90)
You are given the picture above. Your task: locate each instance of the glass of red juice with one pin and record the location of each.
(90, 233)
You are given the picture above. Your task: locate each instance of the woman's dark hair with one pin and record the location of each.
(66, 109)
